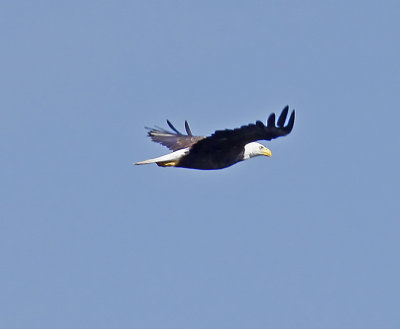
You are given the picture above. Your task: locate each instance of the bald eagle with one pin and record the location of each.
(220, 150)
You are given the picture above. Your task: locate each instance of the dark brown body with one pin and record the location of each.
(211, 159)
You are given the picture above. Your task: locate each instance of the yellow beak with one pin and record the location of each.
(267, 152)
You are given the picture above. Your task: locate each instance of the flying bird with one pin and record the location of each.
(220, 150)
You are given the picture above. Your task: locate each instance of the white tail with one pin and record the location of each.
(170, 159)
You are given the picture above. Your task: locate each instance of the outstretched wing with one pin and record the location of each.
(239, 137)
(173, 140)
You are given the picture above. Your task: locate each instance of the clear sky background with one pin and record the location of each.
(308, 238)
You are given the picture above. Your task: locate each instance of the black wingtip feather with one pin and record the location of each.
(290, 125)
(282, 117)
(187, 128)
(271, 120)
(260, 124)
(173, 128)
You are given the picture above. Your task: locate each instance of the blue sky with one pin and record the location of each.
(308, 238)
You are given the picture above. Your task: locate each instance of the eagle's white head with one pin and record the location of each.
(254, 149)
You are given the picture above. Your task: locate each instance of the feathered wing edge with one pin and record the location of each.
(173, 140)
(249, 133)
(280, 130)
(259, 131)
